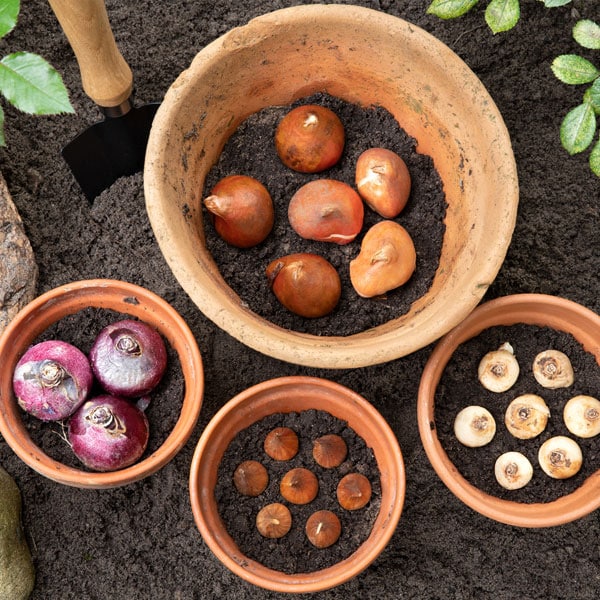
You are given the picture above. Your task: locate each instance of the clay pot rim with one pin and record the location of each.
(226, 424)
(530, 309)
(390, 340)
(123, 297)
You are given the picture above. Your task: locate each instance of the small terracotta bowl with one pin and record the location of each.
(367, 58)
(295, 394)
(122, 297)
(530, 309)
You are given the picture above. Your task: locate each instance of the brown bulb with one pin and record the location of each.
(299, 486)
(310, 138)
(306, 284)
(330, 451)
(274, 520)
(383, 180)
(353, 491)
(250, 478)
(387, 260)
(323, 528)
(281, 443)
(326, 210)
(242, 210)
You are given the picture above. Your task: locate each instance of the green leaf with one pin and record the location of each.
(450, 9)
(595, 159)
(9, 11)
(502, 15)
(573, 69)
(578, 128)
(555, 3)
(32, 85)
(592, 95)
(587, 34)
(2, 140)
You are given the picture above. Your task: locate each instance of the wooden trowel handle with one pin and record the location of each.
(106, 77)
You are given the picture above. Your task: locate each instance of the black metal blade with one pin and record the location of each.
(112, 148)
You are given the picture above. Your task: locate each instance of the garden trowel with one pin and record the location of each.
(114, 147)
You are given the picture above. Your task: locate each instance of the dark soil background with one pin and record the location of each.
(140, 541)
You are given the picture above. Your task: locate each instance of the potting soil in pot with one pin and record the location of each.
(251, 151)
(460, 387)
(293, 553)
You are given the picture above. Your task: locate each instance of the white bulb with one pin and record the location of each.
(560, 457)
(582, 416)
(552, 369)
(513, 470)
(474, 426)
(498, 370)
(527, 416)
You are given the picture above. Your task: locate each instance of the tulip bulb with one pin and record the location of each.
(560, 457)
(513, 470)
(474, 426)
(552, 369)
(527, 416)
(582, 416)
(498, 370)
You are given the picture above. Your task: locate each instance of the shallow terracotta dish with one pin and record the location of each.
(125, 298)
(364, 57)
(532, 309)
(295, 394)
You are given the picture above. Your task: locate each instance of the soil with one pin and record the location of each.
(293, 553)
(140, 541)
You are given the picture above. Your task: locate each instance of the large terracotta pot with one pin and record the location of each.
(124, 298)
(364, 57)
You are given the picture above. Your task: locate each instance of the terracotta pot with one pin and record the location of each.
(125, 298)
(294, 394)
(364, 57)
(531, 309)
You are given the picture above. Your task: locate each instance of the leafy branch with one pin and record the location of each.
(578, 128)
(500, 15)
(28, 81)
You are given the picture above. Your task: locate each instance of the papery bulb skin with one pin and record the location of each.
(128, 358)
(52, 379)
(108, 433)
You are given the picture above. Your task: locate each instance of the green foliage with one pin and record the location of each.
(500, 15)
(555, 3)
(450, 9)
(587, 34)
(578, 127)
(9, 11)
(573, 69)
(28, 81)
